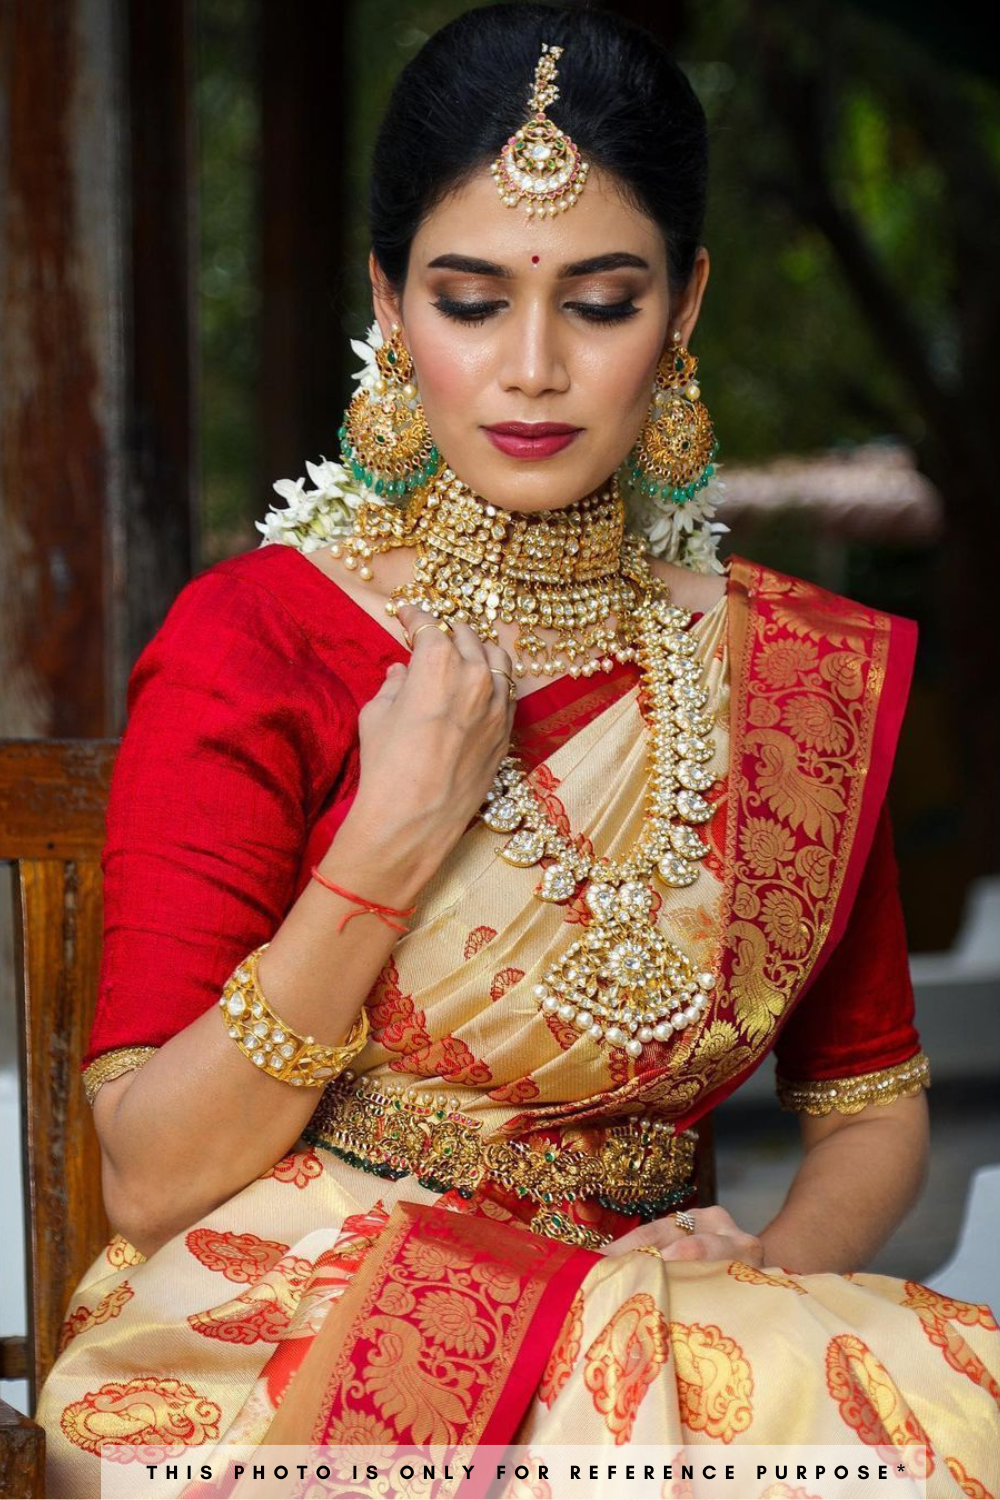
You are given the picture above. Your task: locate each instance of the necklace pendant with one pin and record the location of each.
(693, 807)
(675, 871)
(524, 849)
(694, 778)
(624, 986)
(558, 883)
(502, 814)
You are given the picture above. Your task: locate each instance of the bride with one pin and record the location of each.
(464, 854)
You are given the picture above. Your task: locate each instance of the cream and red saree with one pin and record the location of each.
(405, 1274)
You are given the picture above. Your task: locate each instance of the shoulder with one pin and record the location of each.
(241, 625)
(695, 591)
(262, 578)
(251, 596)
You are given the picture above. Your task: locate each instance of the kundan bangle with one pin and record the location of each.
(272, 1045)
(385, 913)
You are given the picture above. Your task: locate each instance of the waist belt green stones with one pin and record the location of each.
(643, 1167)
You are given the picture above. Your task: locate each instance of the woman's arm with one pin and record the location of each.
(860, 1176)
(198, 1121)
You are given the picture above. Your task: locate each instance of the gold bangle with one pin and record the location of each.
(273, 1046)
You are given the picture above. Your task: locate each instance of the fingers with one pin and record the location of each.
(717, 1237)
(460, 636)
(699, 1247)
(504, 682)
(462, 640)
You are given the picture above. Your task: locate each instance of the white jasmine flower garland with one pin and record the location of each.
(685, 534)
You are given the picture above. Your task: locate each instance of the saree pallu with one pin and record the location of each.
(332, 1301)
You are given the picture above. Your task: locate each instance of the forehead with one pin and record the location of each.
(473, 220)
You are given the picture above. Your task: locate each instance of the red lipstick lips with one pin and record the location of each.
(531, 439)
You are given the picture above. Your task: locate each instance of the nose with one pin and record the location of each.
(533, 359)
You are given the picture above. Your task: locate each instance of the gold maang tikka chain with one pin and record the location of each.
(563, 571)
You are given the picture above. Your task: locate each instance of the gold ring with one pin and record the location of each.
(684, 1221)
(501, 673)
(650, 1250)
(435, 625)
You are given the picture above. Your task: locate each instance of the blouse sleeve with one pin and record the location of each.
(852, 1039)
(235, 734)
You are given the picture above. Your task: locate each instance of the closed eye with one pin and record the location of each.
(593, 312)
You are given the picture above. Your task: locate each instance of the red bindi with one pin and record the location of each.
(535, 259)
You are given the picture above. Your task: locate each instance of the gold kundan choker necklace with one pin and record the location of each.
(558, 570)
(621, 983)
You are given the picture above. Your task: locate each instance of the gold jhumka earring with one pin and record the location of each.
(672, 460)
(385, 440)
(540, 166)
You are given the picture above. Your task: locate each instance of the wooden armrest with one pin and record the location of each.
(22, 1456)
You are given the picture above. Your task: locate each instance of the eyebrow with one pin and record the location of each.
(615, 260)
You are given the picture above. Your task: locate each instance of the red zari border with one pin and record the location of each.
(461, 1307)
(819, 688)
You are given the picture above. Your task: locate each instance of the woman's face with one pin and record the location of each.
(517, 320)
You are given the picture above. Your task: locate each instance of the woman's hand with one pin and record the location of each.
(716, 1237)
(433, 736)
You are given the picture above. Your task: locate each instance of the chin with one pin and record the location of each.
(532, 487)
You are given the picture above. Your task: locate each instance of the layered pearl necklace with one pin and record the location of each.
(621, 984)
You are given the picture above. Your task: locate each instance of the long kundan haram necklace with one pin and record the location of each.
(622, 984)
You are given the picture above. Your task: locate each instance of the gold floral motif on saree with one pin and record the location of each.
(83, 1318)
(565, 1353)
(869, 1401)
(971, 1314)
(428, 1330)
(957, 1353)
(714, 1381)
(145, 1410)
(624, 1360)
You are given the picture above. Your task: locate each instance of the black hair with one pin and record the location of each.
(622, 98)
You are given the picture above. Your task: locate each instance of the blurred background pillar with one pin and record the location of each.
(97, 528)
(303, 229)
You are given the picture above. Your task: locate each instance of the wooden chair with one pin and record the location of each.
(53, 795)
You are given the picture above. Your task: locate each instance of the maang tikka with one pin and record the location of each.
(672, 459)
(540, 165)
(385, 440)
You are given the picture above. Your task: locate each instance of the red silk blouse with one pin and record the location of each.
(238, 763)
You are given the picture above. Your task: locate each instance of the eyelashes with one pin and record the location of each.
(474, 313)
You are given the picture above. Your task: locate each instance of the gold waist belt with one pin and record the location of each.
(641, 1167)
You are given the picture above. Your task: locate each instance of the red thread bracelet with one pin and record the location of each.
(376, 908)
